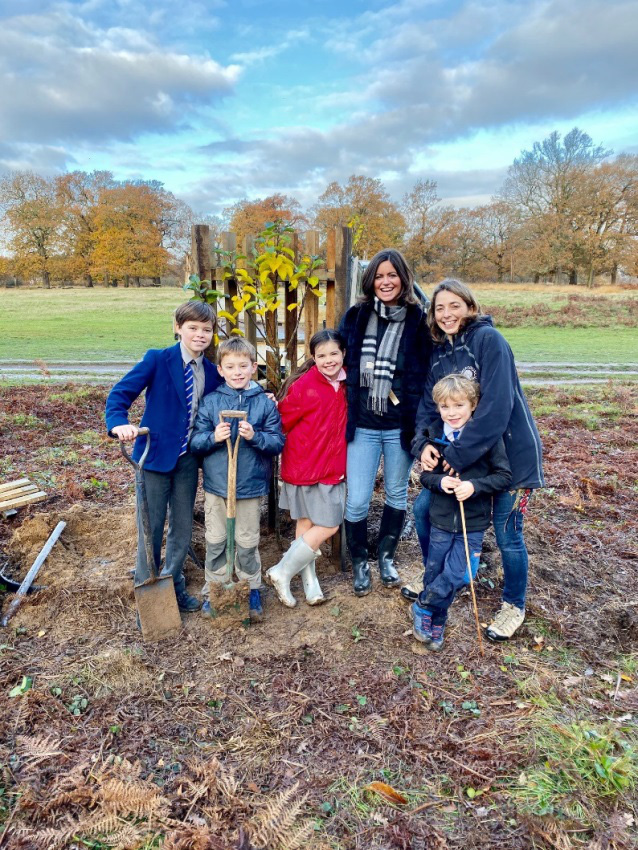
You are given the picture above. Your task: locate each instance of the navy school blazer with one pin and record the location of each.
(161, 374)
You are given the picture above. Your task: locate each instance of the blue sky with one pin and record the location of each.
(225, 100)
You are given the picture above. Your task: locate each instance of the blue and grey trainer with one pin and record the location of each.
(421, 623)
(436, 640)
(255, 608)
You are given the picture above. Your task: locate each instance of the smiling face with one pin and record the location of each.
(196, 336)
(387, 284)
(237, 370)
(456, 410)
(450, 310)
(329, 359)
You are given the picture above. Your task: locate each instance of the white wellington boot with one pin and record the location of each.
(296, 558)
(314, 595)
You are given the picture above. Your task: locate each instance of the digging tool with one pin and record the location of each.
(469, 572)
(30, 576)
(231, 495)
(155, 596)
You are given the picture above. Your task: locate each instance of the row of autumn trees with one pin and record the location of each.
(81, 226)
(567, 210)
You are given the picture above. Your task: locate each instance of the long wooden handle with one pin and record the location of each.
(469, 572)
(231, 494)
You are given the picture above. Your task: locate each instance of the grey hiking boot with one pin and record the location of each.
(505, 623)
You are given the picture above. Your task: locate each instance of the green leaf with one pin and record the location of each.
(362, 700)
(471, 792)
(25, 685)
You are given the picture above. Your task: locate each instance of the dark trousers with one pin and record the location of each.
(173, 493)
(446, 569)
(508, 528)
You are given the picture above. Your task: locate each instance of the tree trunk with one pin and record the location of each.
(88, 281)
(573, 277)
(537, 277)
(46, 279)
(613, 275)
(157, 281)
(137, 281)
(126, 281)
(590, 277)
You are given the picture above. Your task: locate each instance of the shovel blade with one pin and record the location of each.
(157, 608)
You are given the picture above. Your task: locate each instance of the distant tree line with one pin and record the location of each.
(567, 210)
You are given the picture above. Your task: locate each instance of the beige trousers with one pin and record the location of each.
(247, 564)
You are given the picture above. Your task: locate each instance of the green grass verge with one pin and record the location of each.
(85, 324)
(110, 324)
(577, 345)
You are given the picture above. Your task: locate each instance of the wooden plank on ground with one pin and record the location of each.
(18, 491)
(11, 484)
(24, 500)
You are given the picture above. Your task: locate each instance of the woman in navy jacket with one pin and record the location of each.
(466, 342)
(387, 356)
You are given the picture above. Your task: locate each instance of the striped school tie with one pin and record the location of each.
(189, 386)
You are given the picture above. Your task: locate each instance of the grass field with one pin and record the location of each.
(111, 324)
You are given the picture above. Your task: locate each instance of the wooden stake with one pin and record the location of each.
(469, 572)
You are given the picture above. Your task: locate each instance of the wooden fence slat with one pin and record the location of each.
(343, 250)
(311, 308)
(290, 316)
(250, 328)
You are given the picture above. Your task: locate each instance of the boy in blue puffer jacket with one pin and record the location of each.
(262, 439)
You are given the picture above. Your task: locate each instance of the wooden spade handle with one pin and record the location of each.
(231, 495)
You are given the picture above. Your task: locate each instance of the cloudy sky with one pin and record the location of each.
(225, 99)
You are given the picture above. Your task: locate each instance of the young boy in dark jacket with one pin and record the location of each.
(446, 567)
(261, 439)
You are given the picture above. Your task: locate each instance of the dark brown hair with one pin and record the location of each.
(463, 292)
(194, 311)
(399, 264)
(325, 335)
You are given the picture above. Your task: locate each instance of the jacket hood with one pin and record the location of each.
(252, 389)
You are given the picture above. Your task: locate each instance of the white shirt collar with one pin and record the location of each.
(448, 431)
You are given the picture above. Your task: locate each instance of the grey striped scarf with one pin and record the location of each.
(377, 367)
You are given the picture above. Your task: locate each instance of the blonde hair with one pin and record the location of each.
(236, 345)
(456, 386)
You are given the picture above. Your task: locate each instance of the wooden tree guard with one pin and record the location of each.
(15, 494)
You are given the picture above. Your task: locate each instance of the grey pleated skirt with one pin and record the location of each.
(322, 504)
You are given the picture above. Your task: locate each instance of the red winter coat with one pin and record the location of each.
(314, 420)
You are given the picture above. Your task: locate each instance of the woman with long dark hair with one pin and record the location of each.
(466, 342)
(387, 357)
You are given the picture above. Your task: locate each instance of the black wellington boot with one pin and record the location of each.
(389, 532)
(357, 538)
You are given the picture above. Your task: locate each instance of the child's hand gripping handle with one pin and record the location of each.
(141, 432)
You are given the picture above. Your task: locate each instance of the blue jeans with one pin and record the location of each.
(446, 569)
(508, 529)
(364, 454)
(172, 492)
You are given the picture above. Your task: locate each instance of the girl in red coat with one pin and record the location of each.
(313, 464)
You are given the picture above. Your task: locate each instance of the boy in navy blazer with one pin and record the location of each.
(175, 380)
